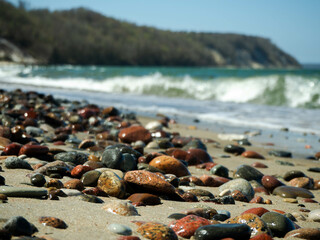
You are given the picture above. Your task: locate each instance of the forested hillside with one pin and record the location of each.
(81, 36)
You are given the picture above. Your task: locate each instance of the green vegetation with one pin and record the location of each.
(80, 36)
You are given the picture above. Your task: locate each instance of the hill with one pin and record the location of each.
(84, 37)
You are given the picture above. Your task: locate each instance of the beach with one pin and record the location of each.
(87, 220)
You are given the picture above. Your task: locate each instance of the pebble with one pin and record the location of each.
(248, 173)
(44, 168)
(314, 169)
(149, 182)
(239, 184)
(23, 192)
(79, 170)
(304, 233)
(76, 158)
(135, 133)
(258, 165)
(53, 222)
(145, 198)
(33, 150)
(270, 182)
(2, 180)
(289, 175)
(252, 154)
(253, 221)
(54, 183)
(234, 149)
(283, 154)
(292, 192)
(195, 144)
(157, 231)
(239, 196)
(121, 208)
(220, 170)
(220, 231)
(210, 181)
(120, 229)
(128, 238)
(197, 156)
(90, 178)
(290, 200)
(204, 212)
(258, 211)
(18, 226)
(72, 192)
(262, 236)
(34, 131)
(12, 149)
(314, 215)
(279, 224)
(112, 158)
(154, 126)
(38, 180)
(112, 184)
(186, 227)
(15, 162)
(74, 184)
(284, 163)
(301, 182)
(170, 165)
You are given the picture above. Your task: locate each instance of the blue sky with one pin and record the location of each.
(293, 25)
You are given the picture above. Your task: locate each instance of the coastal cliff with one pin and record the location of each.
(83, 37)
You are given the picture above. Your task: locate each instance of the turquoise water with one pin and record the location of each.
(223, 100)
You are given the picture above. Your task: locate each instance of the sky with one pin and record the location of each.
(292, 25)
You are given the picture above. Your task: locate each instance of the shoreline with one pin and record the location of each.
(87, 220)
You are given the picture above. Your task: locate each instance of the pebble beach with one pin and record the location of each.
(71, 170)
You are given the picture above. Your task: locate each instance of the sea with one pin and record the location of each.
(268, 106)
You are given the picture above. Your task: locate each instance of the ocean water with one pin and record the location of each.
(220, 99)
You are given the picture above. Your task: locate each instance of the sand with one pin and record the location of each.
(89, 221)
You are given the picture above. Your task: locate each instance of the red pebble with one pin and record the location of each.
(252, 154)
(197, 156)
(59, 143)
(278, 211)
(186, 226)
(12, 149)
(270, 182)
(258, 211)
(309, 200)
(257, 199)
(258, 165)
(79, 170)
(33, 150)
(128, 238)
(262, 236)
(210, 181)
(261, 190)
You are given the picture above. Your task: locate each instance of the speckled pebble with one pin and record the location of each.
(53, 222)
(157, 231)
(121, 208)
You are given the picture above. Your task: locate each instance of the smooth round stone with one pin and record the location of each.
(153, 145)
(76, 158)
(270, 182)
(120, 229)
(38, 180)
(135, 133)
(197, 156)
(259, 165)
(258, 211)
(248, 173)
(145, 198)
(125, 149)
(302, 182)
(18, 226)
(186, 227)
(293, 174)
(254, 222)
(90, 178)
(262, 236)
(61, 170)
(33, 150)
(79, 170)
(292, 192)
(129, 163)
(279, 224)
(157, 231)
(239, 184)
(284, 163)
(112, 184)
(219, 231)
(34, 131)
(239, 196)
(220, 170)
(12, 149)
(16, 163)
(74, 184)
(2, 180)
(201, 193)
(23, 192)
(121, 208)
(314, 169)
(90, 198)
(283, 154)
(112, 158)
(220, 217)
(195, 144)
(224, 212)
(170, 165)
(234, 149)
(314, 215)
(304, 233)
(53, 222)
(72, 192)
(149, 182)
(252, 154)
(290, 200)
